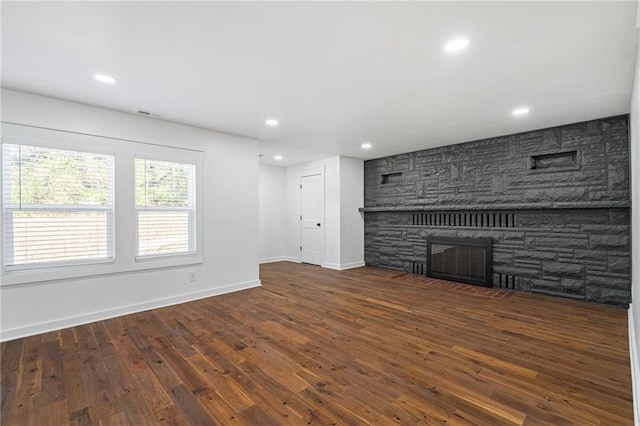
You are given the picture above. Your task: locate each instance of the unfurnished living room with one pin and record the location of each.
(320, 213)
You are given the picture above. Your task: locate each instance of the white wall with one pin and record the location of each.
(273, 236)
(634, 311)
(343, 178)
(351, 219)
(230, 252)
(332, 236)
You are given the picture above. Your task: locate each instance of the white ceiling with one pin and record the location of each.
(334, 74)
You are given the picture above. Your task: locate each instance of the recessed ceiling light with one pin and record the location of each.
(277, 157)
(456, 45)
(366, 145)
(105, 78)
(271, 122)
(520, 111)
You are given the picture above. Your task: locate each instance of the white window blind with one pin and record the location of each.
(58, 206)
(165, 208)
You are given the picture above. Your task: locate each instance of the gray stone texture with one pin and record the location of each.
(565, 228)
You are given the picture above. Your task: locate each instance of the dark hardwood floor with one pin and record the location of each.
(316, 346)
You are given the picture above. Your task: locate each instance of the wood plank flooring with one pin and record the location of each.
(316, 346)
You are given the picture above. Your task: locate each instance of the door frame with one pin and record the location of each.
(313, 172)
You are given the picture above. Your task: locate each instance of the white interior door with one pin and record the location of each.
(312, 219)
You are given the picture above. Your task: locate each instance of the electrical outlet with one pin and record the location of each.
(192, 276)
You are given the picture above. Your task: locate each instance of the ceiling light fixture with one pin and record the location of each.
(520, 111)
(102, 78)
(366, 145)
(277, 157)
(271, 122)
(456, 45)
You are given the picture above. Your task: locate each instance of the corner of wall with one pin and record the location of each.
(272, 229)
(351, 219)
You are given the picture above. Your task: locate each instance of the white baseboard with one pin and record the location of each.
(273, 259)
(333, 266)
(342, 267)
(58, 324)
(352, 265)
(635, 366)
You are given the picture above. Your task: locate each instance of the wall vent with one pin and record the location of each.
(148, 114)
(506, 281)
(419, 268)
(468, 220)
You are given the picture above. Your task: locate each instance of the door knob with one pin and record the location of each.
(317, 224)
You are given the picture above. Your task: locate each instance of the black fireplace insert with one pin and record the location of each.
(466, 260)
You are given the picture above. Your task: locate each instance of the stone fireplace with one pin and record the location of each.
(554, 204)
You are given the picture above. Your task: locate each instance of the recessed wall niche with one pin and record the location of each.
(555, 161)
(391, 178)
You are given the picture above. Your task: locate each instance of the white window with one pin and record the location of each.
(165, 208)
(58, 206)
(78, 205)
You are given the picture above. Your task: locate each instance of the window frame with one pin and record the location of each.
(9, 208)
(124, 203)
(193, 221)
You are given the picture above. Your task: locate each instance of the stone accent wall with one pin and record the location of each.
(554, 201)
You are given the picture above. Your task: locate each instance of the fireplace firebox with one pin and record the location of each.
(466, 260)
